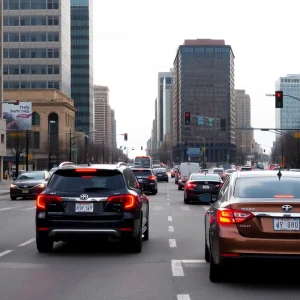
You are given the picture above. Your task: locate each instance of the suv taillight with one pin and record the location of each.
(152, 177)
(128, 200)
(232, 216)
(43, 199)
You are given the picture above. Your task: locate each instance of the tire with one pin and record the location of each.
(167, 180)
(207, 254)
(44, 244)
(154, 192)
(216, 272)
(136, 243)
(146, 233)
(179, 188)
(13, 198)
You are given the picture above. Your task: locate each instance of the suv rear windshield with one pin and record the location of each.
(206, 177)
(70, 181)
(267, 187)
(142, 172)
(218, 170)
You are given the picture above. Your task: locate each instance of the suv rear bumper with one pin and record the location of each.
(60, 230)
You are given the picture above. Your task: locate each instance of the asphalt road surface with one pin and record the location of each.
(171, 265)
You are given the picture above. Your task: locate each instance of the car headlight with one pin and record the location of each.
(42, 185)
(13, 186)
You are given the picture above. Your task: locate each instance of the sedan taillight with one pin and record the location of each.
(152, 177)
(190, 185)
(232, 216)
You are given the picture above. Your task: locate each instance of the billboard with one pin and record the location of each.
(17, 116)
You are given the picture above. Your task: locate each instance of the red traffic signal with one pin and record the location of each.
(125, 136)
(279, 99)
(187, 118)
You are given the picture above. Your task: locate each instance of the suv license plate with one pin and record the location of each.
(25, 191)
(84, 207)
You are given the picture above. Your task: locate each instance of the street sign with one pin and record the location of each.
(194, 152)
(200, 120)
(29, 156)
(297, 135)
(210, 122)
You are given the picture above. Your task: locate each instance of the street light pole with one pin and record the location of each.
(27, 150)
(49, 141)
(70, 145)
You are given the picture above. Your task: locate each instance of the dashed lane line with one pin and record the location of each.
(8, 208)
(170, 228)
(27, 243)
(5, 252)
(183, 297)
(193, 261)
(29, 208)
(170, 218)
(177, 269)
(172, 243)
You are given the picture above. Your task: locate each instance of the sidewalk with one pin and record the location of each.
(4, 187)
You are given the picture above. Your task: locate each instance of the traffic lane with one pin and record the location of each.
(16, 227)
(250, 283)
(91, 270)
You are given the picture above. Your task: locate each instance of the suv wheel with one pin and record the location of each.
(146, 233)
(136, 243)
(44, 244)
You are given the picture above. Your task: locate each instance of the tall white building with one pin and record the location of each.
(163, 100)
(102, 115)
(288, 116)
(37, 45)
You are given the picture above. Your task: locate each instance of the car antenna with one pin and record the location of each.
(279, 174)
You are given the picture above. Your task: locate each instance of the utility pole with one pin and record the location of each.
(70, 145)
(27, 149)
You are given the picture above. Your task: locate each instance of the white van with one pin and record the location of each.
(184, 172)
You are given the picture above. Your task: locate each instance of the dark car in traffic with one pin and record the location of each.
(161, 174)
(100, 201)
(29, 184)
(256, 218)
(146, 179)
(201, 184)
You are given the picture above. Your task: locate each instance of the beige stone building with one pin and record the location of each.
(53, 121)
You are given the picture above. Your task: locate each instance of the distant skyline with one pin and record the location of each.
(132, 48)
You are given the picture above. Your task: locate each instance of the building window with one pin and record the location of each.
(53, 4)
(36, 140)
(35, 119)
(38, 4)
(2, 138)
(52, 21)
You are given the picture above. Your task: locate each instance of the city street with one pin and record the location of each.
(171, 265)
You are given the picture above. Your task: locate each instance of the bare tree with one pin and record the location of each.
(16, 145)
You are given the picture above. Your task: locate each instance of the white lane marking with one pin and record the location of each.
(26, 243)
(185, 208)
(157, 207)
(7, 208)
(5, 252)
(170, 218)
(29, 208)
(177, 269)
(183, 297)
(171, 229)
(205, 207)
(193, 261)
(172, 243)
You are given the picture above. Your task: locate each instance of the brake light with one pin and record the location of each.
(155, 174)
(232, 216)
(219, 185)
(85, 170)
(190, 185)
(43, 199)
(166, 173)
(151, 177)
(129, 201)
(284, 196)
(179, 174)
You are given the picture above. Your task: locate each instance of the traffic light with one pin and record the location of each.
(252, 146)
(264, 150)
(279, 99)
(187, 118)
(125, 136)
(223, 124)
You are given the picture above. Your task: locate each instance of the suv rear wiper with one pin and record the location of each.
(96, 189)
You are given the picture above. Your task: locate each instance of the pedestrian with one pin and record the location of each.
(10, 174)
(6, 174)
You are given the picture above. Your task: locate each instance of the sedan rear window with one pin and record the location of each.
(206, 178)
(162, 170)
(267, 187)
(218, 171)
(142, 173)
(32, 176)
(105, 180)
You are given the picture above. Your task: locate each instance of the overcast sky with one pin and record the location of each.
(134, 40)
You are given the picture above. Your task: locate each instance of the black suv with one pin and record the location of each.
(93, 201)
(147, 179)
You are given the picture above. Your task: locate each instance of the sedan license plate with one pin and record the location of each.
(84, 207)
(287, 224)
(206, 187)
(25, 191)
